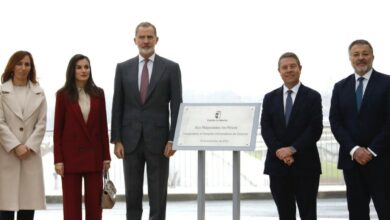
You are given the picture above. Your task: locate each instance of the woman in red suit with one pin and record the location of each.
(81, 149)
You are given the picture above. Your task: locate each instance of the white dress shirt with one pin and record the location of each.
(141, 66)
(366, 77)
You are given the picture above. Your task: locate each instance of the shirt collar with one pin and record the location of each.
(151, 58)
(294, 89)
(365, 76)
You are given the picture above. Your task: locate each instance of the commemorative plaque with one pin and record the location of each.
(217, 127)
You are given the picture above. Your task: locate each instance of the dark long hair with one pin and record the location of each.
(15, 59)
(70, 87)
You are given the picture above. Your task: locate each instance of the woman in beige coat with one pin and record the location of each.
(22, 128)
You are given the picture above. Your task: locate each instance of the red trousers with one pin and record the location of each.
(72, 195)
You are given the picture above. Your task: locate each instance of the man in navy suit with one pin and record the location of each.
(291, 125)
(147, 96)
(360, 121)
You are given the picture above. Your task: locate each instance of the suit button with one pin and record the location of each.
(20, 129)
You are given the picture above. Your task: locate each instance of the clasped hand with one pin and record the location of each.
(286, 155)
(362, 156)
(22, 151)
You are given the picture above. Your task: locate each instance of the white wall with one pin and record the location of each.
(227, 49)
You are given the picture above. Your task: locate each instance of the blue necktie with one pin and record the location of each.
(289, 105)
(359, 93)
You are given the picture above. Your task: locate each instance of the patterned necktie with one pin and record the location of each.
(144, 81)
(289, 105)
(359, 93)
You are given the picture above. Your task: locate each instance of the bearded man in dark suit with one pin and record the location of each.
(147, 96)
(360, 121)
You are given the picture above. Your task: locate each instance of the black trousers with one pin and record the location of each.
(290, 190)
(157, 169)
(365, 183)
(21, 215)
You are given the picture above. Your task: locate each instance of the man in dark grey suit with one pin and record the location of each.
(147, 96)
(291, 125)
(360, 121)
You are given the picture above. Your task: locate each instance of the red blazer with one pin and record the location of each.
(82, 147)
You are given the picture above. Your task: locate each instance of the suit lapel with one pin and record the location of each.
(33, 100)
(298, 102)
(369, 90)
(158, 70)
(79, 116)
(280, 105)
(93, 111)
(9, 98)
(351, 93)
(133, 79)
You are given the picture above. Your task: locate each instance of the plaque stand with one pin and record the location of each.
(202, 184)
(217, 126)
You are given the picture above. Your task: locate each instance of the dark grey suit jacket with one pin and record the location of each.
(131, 118)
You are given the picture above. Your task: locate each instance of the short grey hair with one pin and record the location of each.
(145, 24)
(360, 42)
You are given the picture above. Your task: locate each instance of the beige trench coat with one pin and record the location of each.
(21, 181)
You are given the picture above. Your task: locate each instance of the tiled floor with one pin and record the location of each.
(328, 209)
